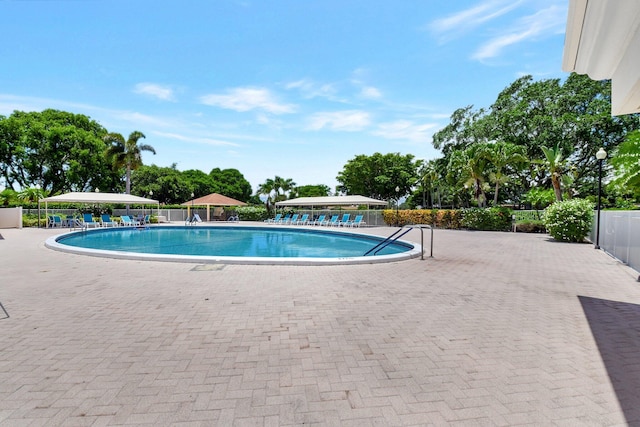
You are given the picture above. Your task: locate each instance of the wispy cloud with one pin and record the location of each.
(198, 140)
(246, 99)
(542, 23)
(161, 92)
(370, 92)
(310, 89)
(468, 19)
(350, 120)
(406, 130)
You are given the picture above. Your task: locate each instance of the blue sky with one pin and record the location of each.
(294, 88)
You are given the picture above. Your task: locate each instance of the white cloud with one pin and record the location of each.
(164, 93)
(370, 92)
(405, 130)
(198, 140)
(544, 22)
(246, 99)
(310, 89)
(350, 120)
(468, 19)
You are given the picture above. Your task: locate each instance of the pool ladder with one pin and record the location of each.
(398, 234)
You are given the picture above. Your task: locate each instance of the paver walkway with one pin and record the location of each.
(496, 329)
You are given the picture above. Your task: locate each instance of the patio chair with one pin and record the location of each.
(54, 221)
(319, 220)
(284, 220)
(106, 221)
(88, 221)
(332, 221)
(304, 220)
(356, 222)
(343, 221)
(293, 219)
(127, 221)
(274, 219)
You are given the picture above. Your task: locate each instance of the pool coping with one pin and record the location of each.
(52, 243)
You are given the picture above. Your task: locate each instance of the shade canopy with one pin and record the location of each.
(95, 197)
(214, 199)
(602, 40)
(332, 201)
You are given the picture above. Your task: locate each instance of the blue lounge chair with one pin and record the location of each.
(304, 220)
(284, 220)
(343, 221)
(332, 221)
(319, 220)
(54, 221)
(293, 219)
(356, 222)
(274, 219)
(127, 221)
(193, 220)
(88, 221)
(106, 221)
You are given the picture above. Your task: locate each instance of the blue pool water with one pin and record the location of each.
(230, 241)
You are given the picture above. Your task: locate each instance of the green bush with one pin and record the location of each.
(569, 220)
(492, 219)
(252, 213)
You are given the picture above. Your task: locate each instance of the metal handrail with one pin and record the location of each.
(393, 237)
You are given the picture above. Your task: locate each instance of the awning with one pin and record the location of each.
(96, 197)
(332, 201)
(602, 40)
(213, 199)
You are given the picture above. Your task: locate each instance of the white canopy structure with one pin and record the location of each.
(332, 201)
(603, 41)
(96, 197)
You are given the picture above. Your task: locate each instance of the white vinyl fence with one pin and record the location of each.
(620, 236)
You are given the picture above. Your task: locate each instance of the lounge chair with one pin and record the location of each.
(127, 221)
(293, 219)
(88, 221)
(54, 221)
(356, 222)
(274, 219)
(233, 218)
(284, 220)
(146, 220)
(343, 221)
(319, 220)
(106, 221)
(332, 221)
(192, 220)
(304, 220)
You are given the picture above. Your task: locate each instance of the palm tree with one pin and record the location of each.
(126, 154)
(555, 165)
(468, 168)
(501, 155)
(268, 188)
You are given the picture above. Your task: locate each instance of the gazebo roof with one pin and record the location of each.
(214, 199)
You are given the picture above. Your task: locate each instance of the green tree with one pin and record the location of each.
(168, 184)
(554, 163)
(378, 175)
(625, 161)
(504, 157)
(270, 191)
(468, 168)
(231, 183)
(313, 190)
(126, 154)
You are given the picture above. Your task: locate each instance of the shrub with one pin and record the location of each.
(252, 213)
(492, 219)
(570, 220)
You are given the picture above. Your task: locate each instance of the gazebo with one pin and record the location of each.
(213, 199)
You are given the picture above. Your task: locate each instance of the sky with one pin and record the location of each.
(289, 88)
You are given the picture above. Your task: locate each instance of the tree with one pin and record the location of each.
(231, 183)
(625, 161)
(503, 156)
(378, 175)
(468, 168)
(554, 163)
(57, 150)
(126, 154)
(168, 184)
(313, 191)
(269, 190)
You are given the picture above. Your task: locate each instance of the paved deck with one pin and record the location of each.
(496, 329)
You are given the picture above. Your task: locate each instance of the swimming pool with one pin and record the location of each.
(232, 244)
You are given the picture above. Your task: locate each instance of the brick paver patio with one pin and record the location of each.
(496, 329)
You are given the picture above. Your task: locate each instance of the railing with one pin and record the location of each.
(396, 235)
(620, 236)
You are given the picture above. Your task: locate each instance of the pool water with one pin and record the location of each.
(227, 241)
